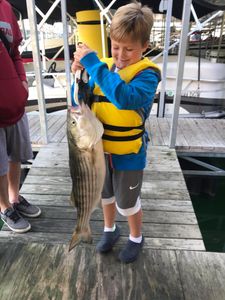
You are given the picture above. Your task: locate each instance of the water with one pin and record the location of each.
(208, 199)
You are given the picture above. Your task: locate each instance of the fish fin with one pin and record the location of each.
(74, 241)
(82, 236)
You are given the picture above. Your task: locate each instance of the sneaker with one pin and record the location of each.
(131, 251)
(108, 240)
(26, 209)
(14, 221)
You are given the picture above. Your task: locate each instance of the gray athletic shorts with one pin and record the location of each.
(14, 144)
(122, 187)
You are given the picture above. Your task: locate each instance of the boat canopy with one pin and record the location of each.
(202, 7)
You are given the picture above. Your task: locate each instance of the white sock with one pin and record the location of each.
(135, 239)
(109, 229)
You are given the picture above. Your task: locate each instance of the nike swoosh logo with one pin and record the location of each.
(134, 187)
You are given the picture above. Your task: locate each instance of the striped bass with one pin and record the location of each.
(87, 167)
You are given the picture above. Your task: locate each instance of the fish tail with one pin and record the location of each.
(80, 236)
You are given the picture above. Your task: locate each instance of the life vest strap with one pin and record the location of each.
(122, 128)
(99, 98)
(123, 138)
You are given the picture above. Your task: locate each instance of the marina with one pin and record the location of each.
(186, 125)
(174, 256)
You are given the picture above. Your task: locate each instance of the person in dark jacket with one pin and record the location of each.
(15, 146)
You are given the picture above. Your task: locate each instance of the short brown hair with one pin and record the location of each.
(132, 20)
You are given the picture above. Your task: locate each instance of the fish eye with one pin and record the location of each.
(73, 123)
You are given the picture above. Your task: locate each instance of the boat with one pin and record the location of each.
(50, 53)
(206, 44)
(27, 56)
(203, 87)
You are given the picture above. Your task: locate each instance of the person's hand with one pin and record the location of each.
(81, 51)
(76, 65)
(25, 84)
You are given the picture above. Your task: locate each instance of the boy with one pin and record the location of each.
(123, 87)
(14, 136)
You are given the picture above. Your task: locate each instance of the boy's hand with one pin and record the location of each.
(81, 51)
(76, 66)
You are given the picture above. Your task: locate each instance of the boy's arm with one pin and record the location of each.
(136, 94)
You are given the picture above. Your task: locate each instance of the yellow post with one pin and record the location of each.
(89, 30)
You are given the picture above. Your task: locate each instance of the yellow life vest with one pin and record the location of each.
(123, 129)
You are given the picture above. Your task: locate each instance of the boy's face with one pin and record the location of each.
(127, 52)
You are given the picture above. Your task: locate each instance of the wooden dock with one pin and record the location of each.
(173, 264)
(169, 219)
(193, 135)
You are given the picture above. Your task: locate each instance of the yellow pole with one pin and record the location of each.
(89, 30)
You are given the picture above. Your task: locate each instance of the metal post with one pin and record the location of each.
(221, 37)
(37, 68)
(100, 5)
(22, 26)
(102, 34)
(66, 52)
(165, 58)
(103, 14)
(198, 24)
(180, 71)
(42, 42)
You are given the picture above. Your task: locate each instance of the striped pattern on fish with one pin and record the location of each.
(87, 168)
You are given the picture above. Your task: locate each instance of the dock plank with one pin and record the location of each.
(149, 173)
(57, 132)
(192, 134)
(148, 192)
(147, 185)
(220, 128)
(64, 238)
(84, 274)
(167, 205)
(148, 204)
(204, 132)
(174, 235)
(168, 211)
(202, 275)
(213, 135)
(155, 134)
(189, 132)
(54, 214)
(169, 224)
(165, 129)
(180, 140)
